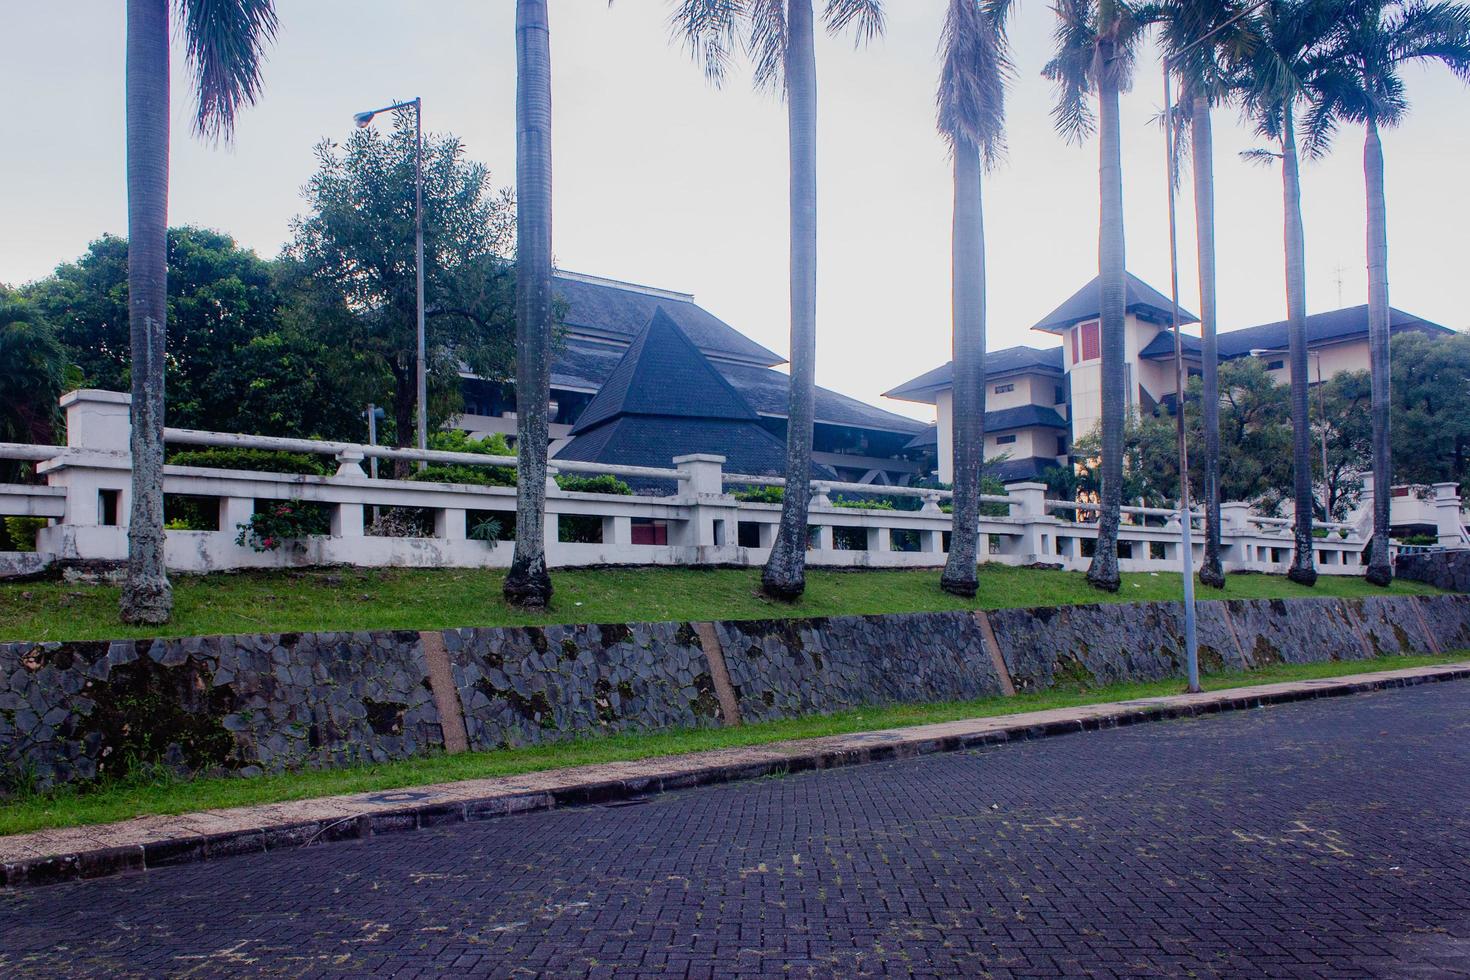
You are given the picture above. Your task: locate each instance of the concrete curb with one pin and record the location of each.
(46, 857)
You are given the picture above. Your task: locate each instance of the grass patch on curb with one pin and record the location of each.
(381, 599)
(70, 807)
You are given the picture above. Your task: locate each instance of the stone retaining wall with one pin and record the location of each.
(78, 711)
(1441, 569)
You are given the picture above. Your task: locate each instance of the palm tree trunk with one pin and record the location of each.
(1380, 569)
(967, 276)
(1211, 572)
(528, 583)
(1111, 266)
(1302, 569)
(784, 576)
(147, 596)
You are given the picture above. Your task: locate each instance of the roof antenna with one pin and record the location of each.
(1339, 270)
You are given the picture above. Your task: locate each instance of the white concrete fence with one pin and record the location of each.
(86, 502)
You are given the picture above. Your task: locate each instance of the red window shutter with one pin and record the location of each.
(1091, 347)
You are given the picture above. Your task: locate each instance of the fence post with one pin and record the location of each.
(1447, 515)
(713, 514)
(1028, 504)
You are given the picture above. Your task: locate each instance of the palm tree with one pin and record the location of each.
(1195, 36)
(528, 583)
(1357, 81)
(779, 36)
(1095, 44)
(972, 120)
(1273, 80)
(225, 47)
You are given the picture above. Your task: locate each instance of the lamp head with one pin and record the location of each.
(363, 118)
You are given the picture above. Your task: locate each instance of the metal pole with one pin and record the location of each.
(418, 223)
(1186, 542)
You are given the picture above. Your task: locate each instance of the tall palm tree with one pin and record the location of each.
(779, 37)
(225, 45)
(1196, 38)
(528, 583)
(1277, 77)
(971, 101)
(1095, 45)
(1358, 81)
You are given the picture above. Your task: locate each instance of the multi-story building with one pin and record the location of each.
(1039, 400)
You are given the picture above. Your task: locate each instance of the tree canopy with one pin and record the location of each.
(350, 267)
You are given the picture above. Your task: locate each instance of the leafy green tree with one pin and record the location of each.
(1096, 41)
(225, 44)
(349, 271)
(1274, 81)
(1357, 80)
(1431, 408)
(231, 364)
(36, 374)
(779, 35)
(972, 120)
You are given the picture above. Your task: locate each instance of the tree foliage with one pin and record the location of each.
(231, 365)
(36, 373)
(350, 266)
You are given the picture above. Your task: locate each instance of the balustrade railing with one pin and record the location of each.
(85, 502)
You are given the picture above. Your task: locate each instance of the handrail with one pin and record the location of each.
(29, 451)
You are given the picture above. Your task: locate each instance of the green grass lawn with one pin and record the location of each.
(118, 801)
(358, 599)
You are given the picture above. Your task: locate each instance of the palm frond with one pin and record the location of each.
(866, 16)
(766, 43)
(1259, 156)
(975, 70)
(707, 28)
(225, 43)
(1419, 31)
(1072, 68)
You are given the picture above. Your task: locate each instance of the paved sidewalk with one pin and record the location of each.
(157, 841)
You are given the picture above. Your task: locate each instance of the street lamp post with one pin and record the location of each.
(422, 381)
(1186, 518)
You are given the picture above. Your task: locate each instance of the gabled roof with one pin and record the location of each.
(642, 440)
(1333, 326)
(610, 310)
(1002, 420)
(662, 373)
(1011, 360)
(1139, 298)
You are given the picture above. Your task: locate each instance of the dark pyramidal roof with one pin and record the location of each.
(1139, 298)
(665, 399)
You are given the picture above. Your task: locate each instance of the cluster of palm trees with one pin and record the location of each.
(1329, 62)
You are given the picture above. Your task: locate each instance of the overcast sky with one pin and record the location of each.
(662, 180)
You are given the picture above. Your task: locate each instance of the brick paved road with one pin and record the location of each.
(1328, 838)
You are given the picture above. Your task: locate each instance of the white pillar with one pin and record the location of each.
(449, 524)
(1447, 515)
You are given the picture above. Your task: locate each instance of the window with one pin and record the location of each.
(1275, 365)
(1002, 389)
(1061, 445)
(1061, 396)
(1004, 440)
(1085, 341)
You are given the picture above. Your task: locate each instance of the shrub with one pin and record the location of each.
(401, 522)
(22, 532)
(762, 495)
(493, 476)
(259, 460)
(875, 503)
(593, 484)
(458, 441)
(488, 531)
(1415, 539)
(286, 520)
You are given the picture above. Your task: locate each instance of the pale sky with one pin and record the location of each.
(662, 180)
